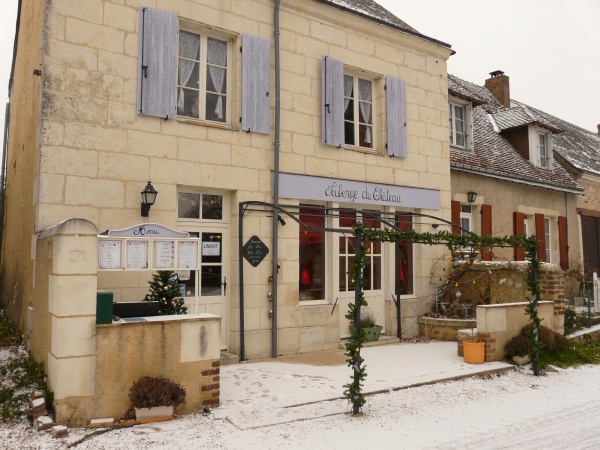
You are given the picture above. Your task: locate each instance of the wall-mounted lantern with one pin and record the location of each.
(471, 196)
(148, 198)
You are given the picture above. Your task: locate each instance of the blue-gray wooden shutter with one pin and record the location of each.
(256, 71)
(333, 102)
(397, 137)
(157, 63)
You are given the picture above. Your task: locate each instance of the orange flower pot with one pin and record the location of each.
(474, 351)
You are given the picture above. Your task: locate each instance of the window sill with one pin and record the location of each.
(368, 151)
(222, 126)
(461, 149)
(313, 302)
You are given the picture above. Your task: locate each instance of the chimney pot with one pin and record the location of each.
(599, 128)
(498, 84)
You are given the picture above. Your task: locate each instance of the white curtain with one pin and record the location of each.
(217, 55)
(348, 84)
(364, 88)
(189, 45)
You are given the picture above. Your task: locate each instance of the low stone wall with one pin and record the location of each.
(185, 349)
(497, 324)
(444, 329)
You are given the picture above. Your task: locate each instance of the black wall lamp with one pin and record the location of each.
(148, 198)
(471, 196)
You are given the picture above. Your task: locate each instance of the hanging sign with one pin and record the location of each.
(255, 251)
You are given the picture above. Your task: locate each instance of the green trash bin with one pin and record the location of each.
(104, 307)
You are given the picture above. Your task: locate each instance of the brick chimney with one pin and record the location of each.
(599, 128)
(498, 84)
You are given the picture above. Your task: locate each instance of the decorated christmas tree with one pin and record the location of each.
(164, 288)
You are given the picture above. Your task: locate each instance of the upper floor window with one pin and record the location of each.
(358, 111)
(547, 238)
(466, 218)
(202, 77)
(460, 124)
(540, 147)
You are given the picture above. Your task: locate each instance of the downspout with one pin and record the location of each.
(3, 177)
(274, 345)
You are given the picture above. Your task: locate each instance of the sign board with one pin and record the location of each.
(211, 249)
(109, 254)
(255, 251)
(359, 192)
(149, 230)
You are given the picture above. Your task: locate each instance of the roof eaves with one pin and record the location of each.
(384, 22)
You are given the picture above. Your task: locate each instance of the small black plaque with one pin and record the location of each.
(255, 251)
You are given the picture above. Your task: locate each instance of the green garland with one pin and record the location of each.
(353, 391)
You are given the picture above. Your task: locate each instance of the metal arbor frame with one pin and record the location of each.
(293, 212)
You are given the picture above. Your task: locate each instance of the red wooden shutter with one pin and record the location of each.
(455, 218)
(563, 243)
(519, 230)
(540, 234)
(486, 229)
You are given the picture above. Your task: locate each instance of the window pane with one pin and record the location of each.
(187, 102)
(215, 80)
(366, 136)
(217, 52)
(212, 207)
(377, 272)
(371, 219)
(210, 281)
(312, 254)
(212, 249)
(188, 205)
(216, 107)
(347, 219)
(404, 258)
(365, 113)
(465, 208)
(342, 245)
(349, 133)
(364, 90)
(189, 45)
(349, 111)
(189, 283)
(343, 274)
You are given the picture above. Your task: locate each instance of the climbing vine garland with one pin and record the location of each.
(454, 242)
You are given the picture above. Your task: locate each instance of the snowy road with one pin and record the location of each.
(515, 410)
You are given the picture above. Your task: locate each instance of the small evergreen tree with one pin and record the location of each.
(164, 288)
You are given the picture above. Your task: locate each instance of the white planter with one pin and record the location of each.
(157, 412)
(520, 360)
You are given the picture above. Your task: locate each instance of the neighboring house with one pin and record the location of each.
(106, 96)
(505, 152)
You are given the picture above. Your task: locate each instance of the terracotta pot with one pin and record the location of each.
(474, 351)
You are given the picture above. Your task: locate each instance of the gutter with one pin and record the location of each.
(276, 145)
(500, 176)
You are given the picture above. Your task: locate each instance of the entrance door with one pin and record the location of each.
(206, 289)
(372, 272)
(590, 231)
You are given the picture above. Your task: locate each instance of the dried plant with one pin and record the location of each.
(148, 392)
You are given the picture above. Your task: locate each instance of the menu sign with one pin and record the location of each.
(188, 254)
(255, 251)
(109, 254)
(137, 254)
(164, 254)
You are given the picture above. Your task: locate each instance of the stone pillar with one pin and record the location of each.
(72, 246)
(552, 287)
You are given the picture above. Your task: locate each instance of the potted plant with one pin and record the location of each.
(474, 349)
(518, 349)
(155, 397)
(367, 323)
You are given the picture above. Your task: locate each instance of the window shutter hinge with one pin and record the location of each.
(145, 71)
(385, 87)
(240, 49)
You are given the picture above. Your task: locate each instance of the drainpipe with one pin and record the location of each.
(3, 176)
(274, 345)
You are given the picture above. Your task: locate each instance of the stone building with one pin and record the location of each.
(317, 105)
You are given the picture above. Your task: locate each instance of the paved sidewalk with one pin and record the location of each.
(312, 383)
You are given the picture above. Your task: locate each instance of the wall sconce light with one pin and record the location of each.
(471, 196)
(148, 198)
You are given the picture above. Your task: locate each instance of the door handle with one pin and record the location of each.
(224, 284)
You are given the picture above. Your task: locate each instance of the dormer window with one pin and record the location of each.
(540, 147)
(460, 124)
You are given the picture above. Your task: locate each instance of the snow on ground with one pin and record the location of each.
(514, 410)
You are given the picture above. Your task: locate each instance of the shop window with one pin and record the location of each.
(312, 254)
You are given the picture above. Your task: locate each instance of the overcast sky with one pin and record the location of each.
(550, 49)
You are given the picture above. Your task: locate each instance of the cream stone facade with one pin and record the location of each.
(80, 148)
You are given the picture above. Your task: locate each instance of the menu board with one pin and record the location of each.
(109, 254)
(137, 254)
(188, 254)
(164, 254)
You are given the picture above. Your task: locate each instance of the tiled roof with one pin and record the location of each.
(493, 155)
(579, 147)
(372, 10)
(458, 89)
(521, 115)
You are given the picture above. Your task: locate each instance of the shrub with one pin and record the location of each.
(519, 345)
(367, 319)
(148, 392)
(571, 322)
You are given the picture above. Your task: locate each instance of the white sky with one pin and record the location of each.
(548, 48)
